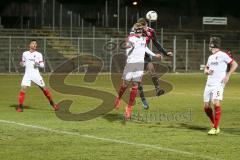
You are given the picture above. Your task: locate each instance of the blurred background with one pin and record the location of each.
(70, 28)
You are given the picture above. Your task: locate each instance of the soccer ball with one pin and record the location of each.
(151, 16)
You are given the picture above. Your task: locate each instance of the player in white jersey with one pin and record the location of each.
(133, 71)
(216, 69)
(32, 60)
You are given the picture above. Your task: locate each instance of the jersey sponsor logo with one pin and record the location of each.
(30, 59)
(214, 63)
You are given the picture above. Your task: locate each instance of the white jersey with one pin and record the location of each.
(218, 63)
(136, 48)
(29, 59)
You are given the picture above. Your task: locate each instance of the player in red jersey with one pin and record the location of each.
(32, 60)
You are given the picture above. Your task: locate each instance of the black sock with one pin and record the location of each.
(156, 81)
(51, 103)
(141, 93)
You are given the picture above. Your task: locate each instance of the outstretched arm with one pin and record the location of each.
(159, 46)
(149, 52)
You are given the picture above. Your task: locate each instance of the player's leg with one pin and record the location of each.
(209, 112)
(121, 91)
(217, 109)
(217, 96)
(126, 77)
(38, 80)
(137, 78)
(48, 95)
(133, 94)
(21, 98)
(147, 59)
(155, 79)
(26, 82)
(141, 94)
(207, 97)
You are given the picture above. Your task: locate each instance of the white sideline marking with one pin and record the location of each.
(145, 146)
(201, 95)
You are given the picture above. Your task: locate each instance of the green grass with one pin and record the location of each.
(37, 133)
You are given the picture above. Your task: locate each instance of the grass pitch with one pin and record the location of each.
(175, 126)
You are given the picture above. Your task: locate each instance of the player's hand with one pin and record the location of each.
(210, 72)
(225, 79)
(169, 54)
(158, 56)
(36, 65)
(22, 64)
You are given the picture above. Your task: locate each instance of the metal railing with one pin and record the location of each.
(56, 50)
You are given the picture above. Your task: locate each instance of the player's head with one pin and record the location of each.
(138, 28)
(215, 42)
(33, 44)
(143, 21)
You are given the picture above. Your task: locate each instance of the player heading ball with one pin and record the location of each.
(133, 71)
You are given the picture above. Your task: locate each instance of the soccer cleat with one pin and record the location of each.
(128, 112)
(19, 109)
(117, 103)
(56, 107)
(159, 91)
(145, 103)
(218, 130)
(214, 131)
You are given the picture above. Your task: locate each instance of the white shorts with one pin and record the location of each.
(213, 93)
(133, 71)
(36, 78)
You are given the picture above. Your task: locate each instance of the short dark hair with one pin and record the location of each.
(32, 40)
(215, 42)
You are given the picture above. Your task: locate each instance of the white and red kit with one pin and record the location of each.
(217, 63)
(31, 61)
(136, 49)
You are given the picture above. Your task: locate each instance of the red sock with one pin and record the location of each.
(217, 116)
(48, 95)
(121, 90)
(209, 112)
(21, 98)
(133, 94)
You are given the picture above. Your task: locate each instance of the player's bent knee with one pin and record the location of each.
(207, 105)
(23, 88)
(135, 84)
(43, 88)
(216, 102)
(125, 83)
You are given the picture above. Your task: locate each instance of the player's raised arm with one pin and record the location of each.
(159, 46)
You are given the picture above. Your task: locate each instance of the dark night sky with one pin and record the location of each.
(211, 7)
